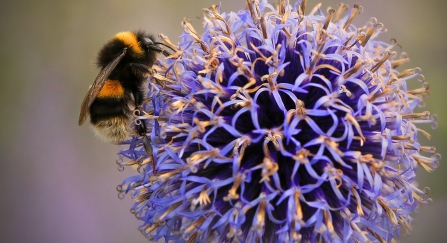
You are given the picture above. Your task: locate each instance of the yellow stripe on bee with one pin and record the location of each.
(130, 39)
(111, 89)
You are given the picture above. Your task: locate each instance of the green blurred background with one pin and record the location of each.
(59, 181)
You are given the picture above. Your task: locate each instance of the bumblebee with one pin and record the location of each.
(125, 63)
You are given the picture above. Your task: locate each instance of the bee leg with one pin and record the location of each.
(140, 124)
(141, 128)
(166, 53)
(148, 148)
(138, 112)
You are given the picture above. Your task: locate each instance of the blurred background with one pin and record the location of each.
(59, 181)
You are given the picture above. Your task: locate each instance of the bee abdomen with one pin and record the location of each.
(111, 89)
(110, 120)
(105, 108)
(113, 129)
(109, 113)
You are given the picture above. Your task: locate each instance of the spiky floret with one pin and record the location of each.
(276, 126)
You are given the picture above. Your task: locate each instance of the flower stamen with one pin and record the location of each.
(232, 195)
(303, 7)
(426, 163)
(358, 200)
(341, 8)
(355, 10)
(212, 13)
(385, 57)
(269, 168)
(330, 13)
(391, 215)
(187, 27)
(399, 62)
(377, 236)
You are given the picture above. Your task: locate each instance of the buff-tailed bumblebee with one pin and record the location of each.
(125, 63)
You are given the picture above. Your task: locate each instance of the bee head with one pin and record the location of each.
(145, 50)
(150, 45)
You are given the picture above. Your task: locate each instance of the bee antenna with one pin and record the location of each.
(159, 43)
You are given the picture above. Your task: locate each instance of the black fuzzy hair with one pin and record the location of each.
(115, 46)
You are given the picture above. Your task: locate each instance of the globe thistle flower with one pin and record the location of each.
(280, 124)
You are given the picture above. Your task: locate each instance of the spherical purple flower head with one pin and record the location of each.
(280, 126)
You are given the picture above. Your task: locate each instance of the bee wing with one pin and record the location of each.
(97, 86)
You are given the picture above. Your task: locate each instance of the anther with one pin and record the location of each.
(403, 58)
(428, 164)
(329, 15)
(215, 15)
(187, 27)
(263, 27)
(354, 13)
(303, 6)
(167, 42)
(343, 89)
(358, 200)
(316, 57)
(353, 70)
(388, 211)
(377, 236)
(434, 124)
(141, 169)
(193, 227)
(406, 73)
(385, 57)
(357, 40)
(428, 149)
(282, 7)
(269, 168)
(369, 33)
(424, 115)
(250, 7)
(232, 194)
(421, 79)
(341, 8)
(119, 162)
(119, 188)
(424, 90)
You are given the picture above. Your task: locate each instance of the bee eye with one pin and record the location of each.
(148, 42)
